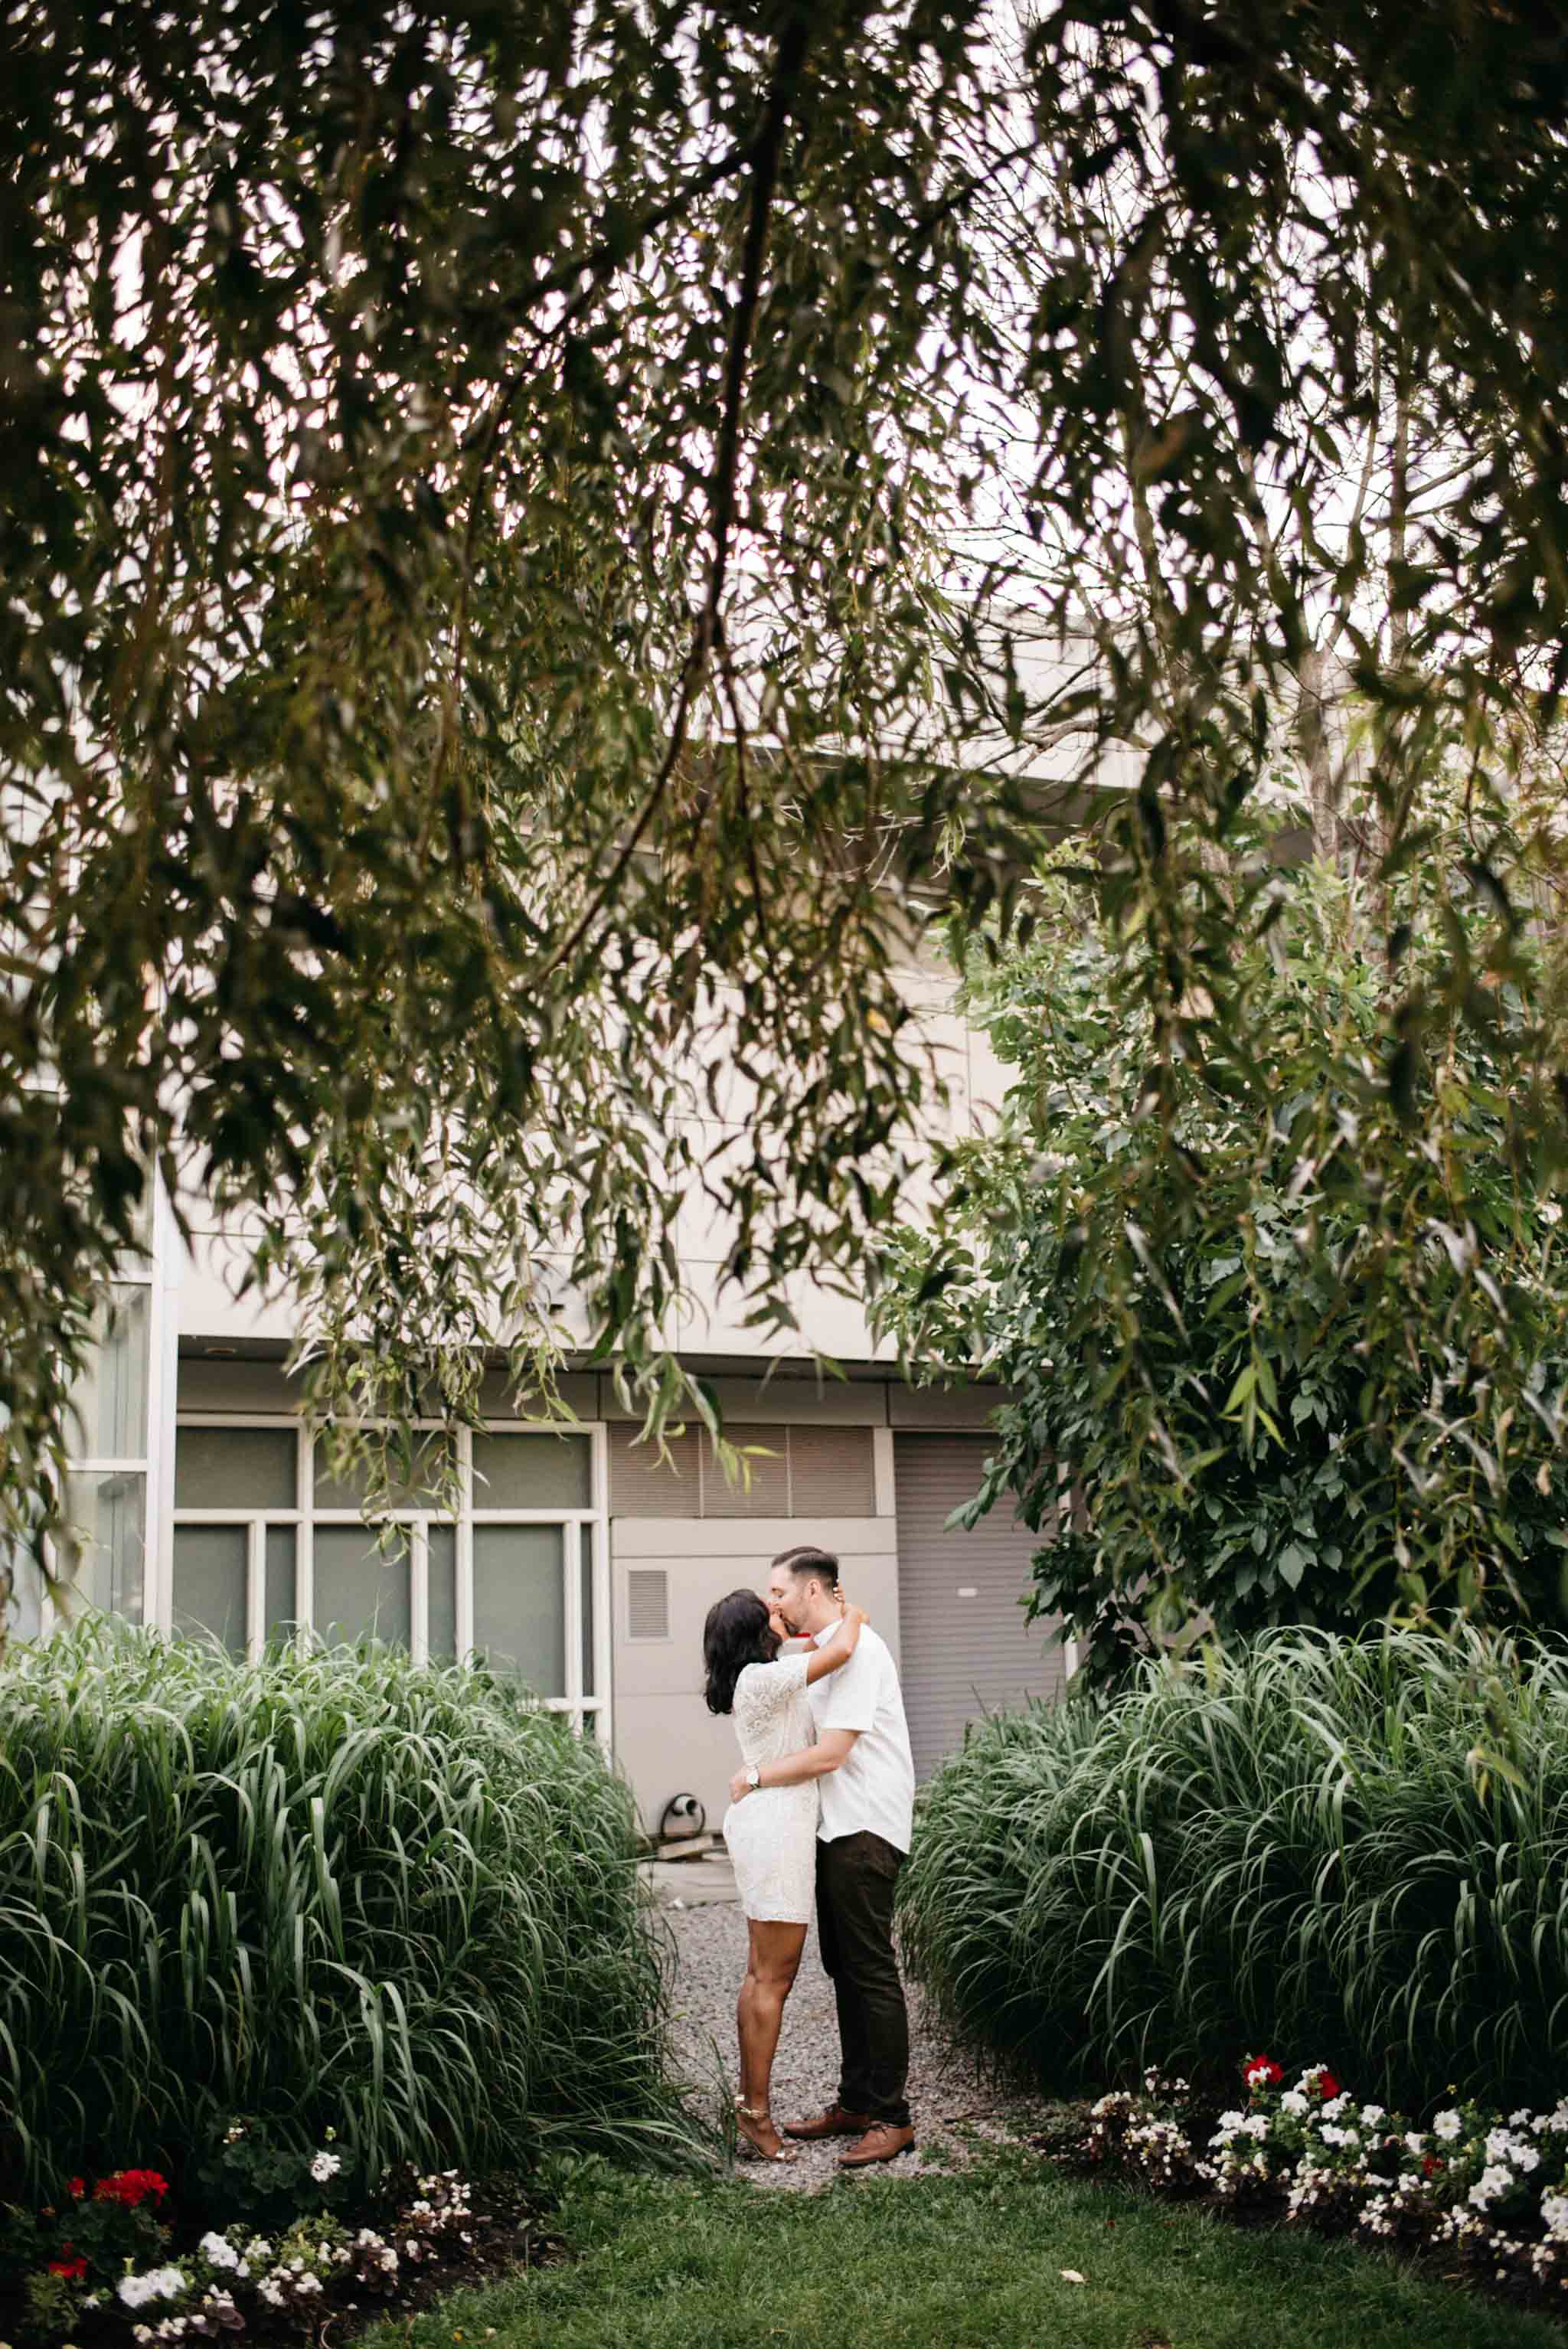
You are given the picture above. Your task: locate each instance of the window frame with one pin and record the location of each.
(586, 1709)
(149, 1269)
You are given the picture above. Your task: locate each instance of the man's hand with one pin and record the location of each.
(739, 1786)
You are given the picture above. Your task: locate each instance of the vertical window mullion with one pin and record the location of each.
(256, 1587)
(420, 1589)
(304, 1554)
(464, 1640)
(603, 1626)
(572, 1567)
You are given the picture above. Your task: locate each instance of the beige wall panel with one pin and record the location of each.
(666, 1746)
(944, 1407)
(666, 1741)
(672, 1667)
(705, 1539)
(239, 1387)
(829, 1402)
(579, 1391)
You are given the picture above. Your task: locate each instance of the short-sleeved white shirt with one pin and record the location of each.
(874, 1788)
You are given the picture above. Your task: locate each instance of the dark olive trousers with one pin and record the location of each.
(856, 1875)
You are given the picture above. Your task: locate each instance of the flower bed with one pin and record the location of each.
(109, 2266)
(1493, 2191)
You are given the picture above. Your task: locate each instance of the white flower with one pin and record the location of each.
(1447, 2126)
(218, 2251)
(1491, 2182)
(1554, 2214)
(1336, 2106)
(308, 2283)
(1372, 2114)
(258, 2248)
(326, 2166)
(159, 2283)
(1293, 2101)
(1522, 2118)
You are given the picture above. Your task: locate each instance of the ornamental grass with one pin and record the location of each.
(331, 1896)
(1298, 1846)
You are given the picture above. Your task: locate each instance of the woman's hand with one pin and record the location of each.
(739, 1786)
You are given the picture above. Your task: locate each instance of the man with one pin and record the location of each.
(863, 1766)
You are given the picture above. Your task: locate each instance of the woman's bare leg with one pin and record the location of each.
(772, 1963)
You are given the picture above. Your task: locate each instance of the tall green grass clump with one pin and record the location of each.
(1296, 1852)
(329, 1891)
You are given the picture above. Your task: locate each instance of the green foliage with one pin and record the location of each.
(484, 648)
(1287, 1327)
(52, 2303)
(1292, 1849)
(330, 1892)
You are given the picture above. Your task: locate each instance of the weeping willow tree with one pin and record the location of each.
(521, 527)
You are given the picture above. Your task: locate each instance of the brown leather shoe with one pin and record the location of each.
(834, 2122)
(881, 2142)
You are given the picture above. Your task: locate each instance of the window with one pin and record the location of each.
(266, 1540)
(103, 1554)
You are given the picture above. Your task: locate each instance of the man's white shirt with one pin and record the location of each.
(874, 1788)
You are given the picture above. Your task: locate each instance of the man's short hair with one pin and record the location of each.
(806, 1562)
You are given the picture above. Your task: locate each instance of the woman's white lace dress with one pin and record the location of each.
(772, 1834)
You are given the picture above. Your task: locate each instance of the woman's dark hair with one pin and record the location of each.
(737, 1633)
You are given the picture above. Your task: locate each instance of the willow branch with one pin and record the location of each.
(766, 152)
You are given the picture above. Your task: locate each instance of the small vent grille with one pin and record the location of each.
(647, 1603)
(795, 1471)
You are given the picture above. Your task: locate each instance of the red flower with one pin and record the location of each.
(70, 2265)
(1261, 2072)
(1324, 2083)
(77, 2189)
(1431, 2162)
(131, 2187)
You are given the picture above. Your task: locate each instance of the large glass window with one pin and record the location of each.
(266, 1540)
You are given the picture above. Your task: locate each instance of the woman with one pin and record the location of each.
(772, 1835)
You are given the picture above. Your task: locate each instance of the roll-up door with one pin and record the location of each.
(965, 1649)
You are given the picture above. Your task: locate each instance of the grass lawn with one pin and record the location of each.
(960, 2261)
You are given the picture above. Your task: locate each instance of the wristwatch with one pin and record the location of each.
(753, 1776)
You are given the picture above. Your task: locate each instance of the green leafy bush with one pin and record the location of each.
(329, 1892)
(1296, 1848)
(1286, 1328)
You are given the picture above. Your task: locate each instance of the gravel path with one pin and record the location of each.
(943, 2089)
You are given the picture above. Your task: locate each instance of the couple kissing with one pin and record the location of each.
(822, 1810)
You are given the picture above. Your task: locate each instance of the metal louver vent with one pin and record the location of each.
(647, 1603)
(794, 1472)
(832, 1473)
(643, 1485)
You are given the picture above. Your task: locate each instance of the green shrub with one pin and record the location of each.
(1296, 1849)
(332, 1891)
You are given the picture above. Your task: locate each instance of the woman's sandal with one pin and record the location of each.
(746, 2147)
